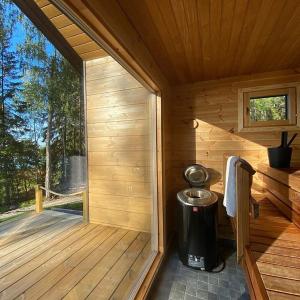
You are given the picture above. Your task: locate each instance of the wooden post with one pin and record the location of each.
(38, 199)
(243, 191)
(85, 207)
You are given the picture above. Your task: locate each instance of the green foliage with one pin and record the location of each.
(41, 115)
(52, 91)
(268, 108)
(12, 108)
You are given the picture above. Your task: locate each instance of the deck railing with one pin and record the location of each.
(39, 199)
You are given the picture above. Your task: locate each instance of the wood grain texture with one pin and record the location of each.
(109, 23)
(81, 43)
(119, 148)
(202, 40)
(275, 254)
(243, 179)
(289, 176)
(59, 257)
(282, 188)
(211, 107)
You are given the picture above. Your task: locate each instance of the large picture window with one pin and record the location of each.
(264, 108)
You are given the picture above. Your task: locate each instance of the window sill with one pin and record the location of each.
(269, 128)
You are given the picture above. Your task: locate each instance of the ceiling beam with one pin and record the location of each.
(41, 21)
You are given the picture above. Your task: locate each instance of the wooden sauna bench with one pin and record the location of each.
(53, 255)
(273, 257)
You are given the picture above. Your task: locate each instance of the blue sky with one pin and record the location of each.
(18, 37)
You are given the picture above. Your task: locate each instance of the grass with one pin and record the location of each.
(72, 206)
(27, 203)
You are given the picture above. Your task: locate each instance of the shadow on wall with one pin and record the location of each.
(203, 127)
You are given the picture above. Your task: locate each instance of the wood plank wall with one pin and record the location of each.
(212, 106)
(119, 156)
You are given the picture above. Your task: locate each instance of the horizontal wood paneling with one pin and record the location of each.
(122, 203)
(211, 107)
(120, 188)
(115, 143)
(139, 174)
(120, 158)
(113, 98)
(120, 82)
(119, 149)
(124, 128)
(117, 113)
(107, 68)
(120, 218)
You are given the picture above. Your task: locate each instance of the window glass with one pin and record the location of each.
(268, 108)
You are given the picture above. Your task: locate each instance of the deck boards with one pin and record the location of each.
(53, 256)
(275, 250)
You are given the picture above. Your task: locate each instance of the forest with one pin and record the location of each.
(41, 111)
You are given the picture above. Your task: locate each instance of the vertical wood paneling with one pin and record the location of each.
(203, 40)
(119, 149)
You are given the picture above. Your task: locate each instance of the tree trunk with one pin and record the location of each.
(48, 152)
(64, 140)
(2, 91)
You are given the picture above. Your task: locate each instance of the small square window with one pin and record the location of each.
(269, 109)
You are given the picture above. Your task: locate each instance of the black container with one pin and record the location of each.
(197, 236)
(280, 157)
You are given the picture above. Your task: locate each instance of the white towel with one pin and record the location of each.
(230, 192)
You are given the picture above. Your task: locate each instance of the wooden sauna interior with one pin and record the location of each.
(197, 57)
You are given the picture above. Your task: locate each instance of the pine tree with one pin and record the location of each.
(52, 91)
(41, 115)
(11, 108)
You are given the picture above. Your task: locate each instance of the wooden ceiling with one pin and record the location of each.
(83, 45)
(194, 40)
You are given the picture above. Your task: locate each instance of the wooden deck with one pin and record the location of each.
(274, 254)
(53, 256)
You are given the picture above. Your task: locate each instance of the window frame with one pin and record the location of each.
(245, 124)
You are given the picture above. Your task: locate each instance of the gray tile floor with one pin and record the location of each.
(178, 282)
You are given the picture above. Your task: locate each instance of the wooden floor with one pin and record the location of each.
(53, 256)
(275, 253)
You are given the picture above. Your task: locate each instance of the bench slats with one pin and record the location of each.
(275, 250)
